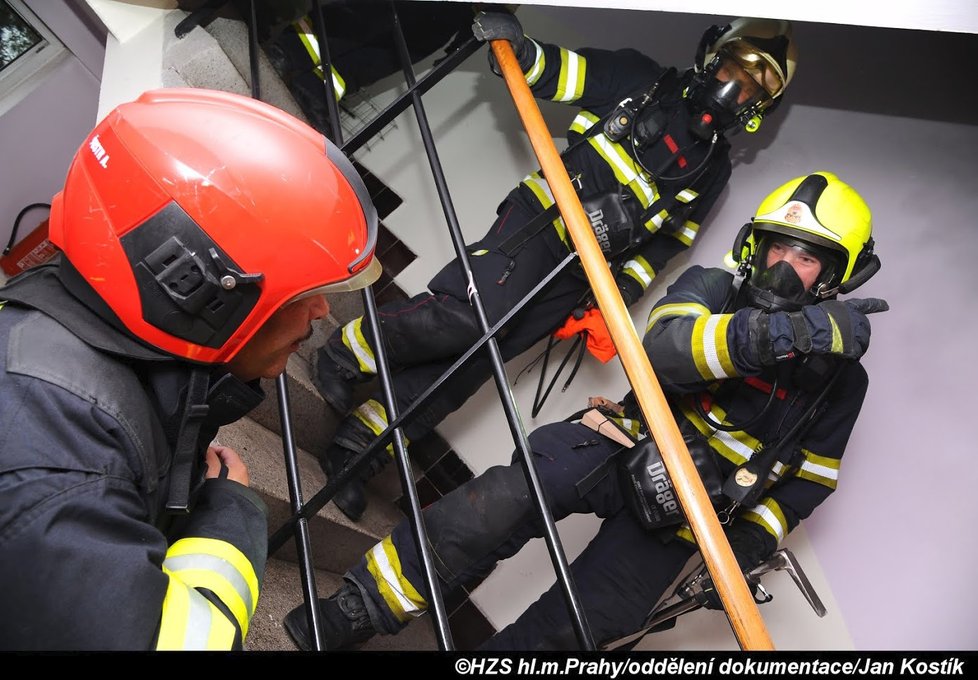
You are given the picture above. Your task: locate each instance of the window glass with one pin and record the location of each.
(28, 49)
(17, 37)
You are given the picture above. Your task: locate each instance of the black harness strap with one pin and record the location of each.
(185, 450)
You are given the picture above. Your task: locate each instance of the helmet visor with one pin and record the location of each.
(756, 64)
(740, 89)
(363, 278)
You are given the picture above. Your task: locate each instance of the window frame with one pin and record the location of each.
(19, 77)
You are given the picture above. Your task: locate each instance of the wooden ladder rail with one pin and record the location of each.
(738, 603)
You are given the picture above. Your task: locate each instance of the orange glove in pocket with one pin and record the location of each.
(597, 337)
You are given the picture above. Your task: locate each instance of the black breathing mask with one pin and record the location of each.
(778, 289)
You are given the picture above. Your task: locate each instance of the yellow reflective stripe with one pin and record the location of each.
(687, 233)
(307, 36)
(630, 425)
(482, 251)
(339, 85)
(777, 471)
(675, 309)
(573, 70)
(709, 344)
(686, 195)
(837, 346)
(535, 183)
(737, 447)
(639, 269)
(583, 121)
(373, 414)
(190, 622)
(539, 63)
(220, 567)
(402, 598)
(768, 514)
(623, 166)
(354, 341)
(819, 469)
(686, 534)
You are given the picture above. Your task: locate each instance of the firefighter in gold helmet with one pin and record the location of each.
(764, 360)
(190, 267)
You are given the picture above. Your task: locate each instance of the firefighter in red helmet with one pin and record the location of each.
(199, 233)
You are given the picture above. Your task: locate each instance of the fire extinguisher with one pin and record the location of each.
(32, 250)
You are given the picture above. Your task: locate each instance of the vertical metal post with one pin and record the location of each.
(253, 50)
(436, 604)
(498, 367)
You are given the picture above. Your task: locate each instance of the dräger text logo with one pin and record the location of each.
(600, 229)
(663, 488)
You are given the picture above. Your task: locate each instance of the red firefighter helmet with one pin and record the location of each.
(196, 214)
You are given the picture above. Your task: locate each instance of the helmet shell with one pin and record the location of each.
(196, 214)
(821, 210)
(769, 40)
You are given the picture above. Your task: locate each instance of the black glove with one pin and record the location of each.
(751, 545)
(837, 327)
(503, 26)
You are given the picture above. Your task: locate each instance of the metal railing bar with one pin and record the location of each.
(359, 462)
(513, 418)
(301, 524)
(399, 105)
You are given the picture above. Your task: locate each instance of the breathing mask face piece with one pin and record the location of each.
(780, 287)
(777, 289)
(728, 98)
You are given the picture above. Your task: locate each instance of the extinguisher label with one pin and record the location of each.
(34, 249)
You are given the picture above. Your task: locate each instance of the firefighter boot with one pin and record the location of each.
(342, 616)
(353, 436)
(352, 498)
(333, 382)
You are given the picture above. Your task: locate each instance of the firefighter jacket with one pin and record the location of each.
(704, 356)
(692, 172)
(91, 560)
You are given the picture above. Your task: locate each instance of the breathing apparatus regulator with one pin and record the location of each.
(643, 120)
(741, 70)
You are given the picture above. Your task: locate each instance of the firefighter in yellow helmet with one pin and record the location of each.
(770, 365)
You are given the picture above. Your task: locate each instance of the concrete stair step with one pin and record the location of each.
(337, 542)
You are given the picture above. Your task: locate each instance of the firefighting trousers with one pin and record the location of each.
(619, 576)
(427, 333)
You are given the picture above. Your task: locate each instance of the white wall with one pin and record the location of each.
(890, 553)
(41, 133)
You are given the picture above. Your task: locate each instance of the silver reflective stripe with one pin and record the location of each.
(355, 341)
(199, 621)
(218, 566)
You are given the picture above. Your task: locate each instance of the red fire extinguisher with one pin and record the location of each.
(32, 250)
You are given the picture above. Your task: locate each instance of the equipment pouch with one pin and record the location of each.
(613, 216)
(647, 488)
